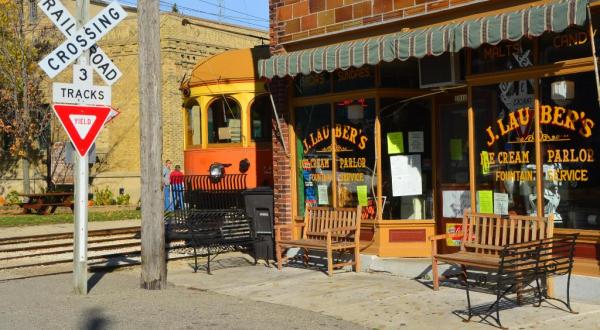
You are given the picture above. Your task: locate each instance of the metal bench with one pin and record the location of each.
(210, 215)
(522, 266)
(217, 230)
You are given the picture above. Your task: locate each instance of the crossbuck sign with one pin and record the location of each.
(81, 40)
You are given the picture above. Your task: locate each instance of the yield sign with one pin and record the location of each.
(82, 123)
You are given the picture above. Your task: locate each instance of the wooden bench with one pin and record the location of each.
(213, 229)
(41, 202)
(485, 235)
(324, 229)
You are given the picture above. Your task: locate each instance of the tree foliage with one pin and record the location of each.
(24, 114)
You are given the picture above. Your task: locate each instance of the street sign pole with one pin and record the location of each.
(82, 108)
(80, 237)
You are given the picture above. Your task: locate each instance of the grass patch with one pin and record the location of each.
(36, 219)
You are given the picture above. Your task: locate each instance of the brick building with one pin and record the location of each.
(185, 41)
(420, 109)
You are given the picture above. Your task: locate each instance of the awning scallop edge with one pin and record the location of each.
(533, 21)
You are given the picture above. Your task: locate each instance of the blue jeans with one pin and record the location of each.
(168, 203)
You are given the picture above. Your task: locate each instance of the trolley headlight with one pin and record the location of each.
(216, 172)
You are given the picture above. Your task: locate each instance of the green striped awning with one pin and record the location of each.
(418, 43)
(534, 21)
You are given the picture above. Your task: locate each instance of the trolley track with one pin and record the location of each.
(107, 249)
(59, 236)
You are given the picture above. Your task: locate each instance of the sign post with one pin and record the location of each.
(80, 235)
(85, 108)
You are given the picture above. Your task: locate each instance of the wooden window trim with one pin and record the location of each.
(356, 94)
(224, 145)
(540, 71)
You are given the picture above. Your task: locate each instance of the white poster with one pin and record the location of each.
(323, 194)
(416, 142)
(406, 175)
(501, 204)
(455, 202)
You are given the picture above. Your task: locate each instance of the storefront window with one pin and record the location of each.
(454, 144)
(403, 74)
(313, 156)
(572, 43)
(260, 119)
(506, 55)
(406, 159)
(194, 124)
(505, 148)
(569, 115)
(312, 84)
(224, 121)
(354, 78)
(354, 132)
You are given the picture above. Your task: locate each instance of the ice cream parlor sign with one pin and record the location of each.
(568, 120)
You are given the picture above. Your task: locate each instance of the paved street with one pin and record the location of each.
(242, 296)
(115, 302)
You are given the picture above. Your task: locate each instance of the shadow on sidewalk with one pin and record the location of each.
(94, 319)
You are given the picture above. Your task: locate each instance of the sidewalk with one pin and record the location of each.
(373, 300)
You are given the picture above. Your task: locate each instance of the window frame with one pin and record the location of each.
(209, 104)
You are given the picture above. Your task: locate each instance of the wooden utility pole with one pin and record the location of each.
(154, 265)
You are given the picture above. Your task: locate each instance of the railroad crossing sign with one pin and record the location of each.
(81, 91)
(60, 16)
(81, 40)
(82, 123)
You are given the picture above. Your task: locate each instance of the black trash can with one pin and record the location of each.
(259, 205)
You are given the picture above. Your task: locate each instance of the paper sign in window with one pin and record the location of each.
(361, 192)
(501, 203)
(416, 141)
(224, 133)
(395, 143)
(485, 201)
(456, 152)
(406, 175)
(323, 193)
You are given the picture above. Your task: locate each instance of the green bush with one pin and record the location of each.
(13, 198)
(123, 199)
(103, 197)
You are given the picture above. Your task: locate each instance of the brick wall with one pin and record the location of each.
(282, 161)
(299, 19)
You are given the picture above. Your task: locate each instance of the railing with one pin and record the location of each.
(201, 193)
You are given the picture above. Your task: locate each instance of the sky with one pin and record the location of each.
(250, 13)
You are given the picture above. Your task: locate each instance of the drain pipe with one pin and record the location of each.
(593, 42)
(277, 120)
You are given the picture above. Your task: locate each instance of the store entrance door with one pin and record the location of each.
(452, 179)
